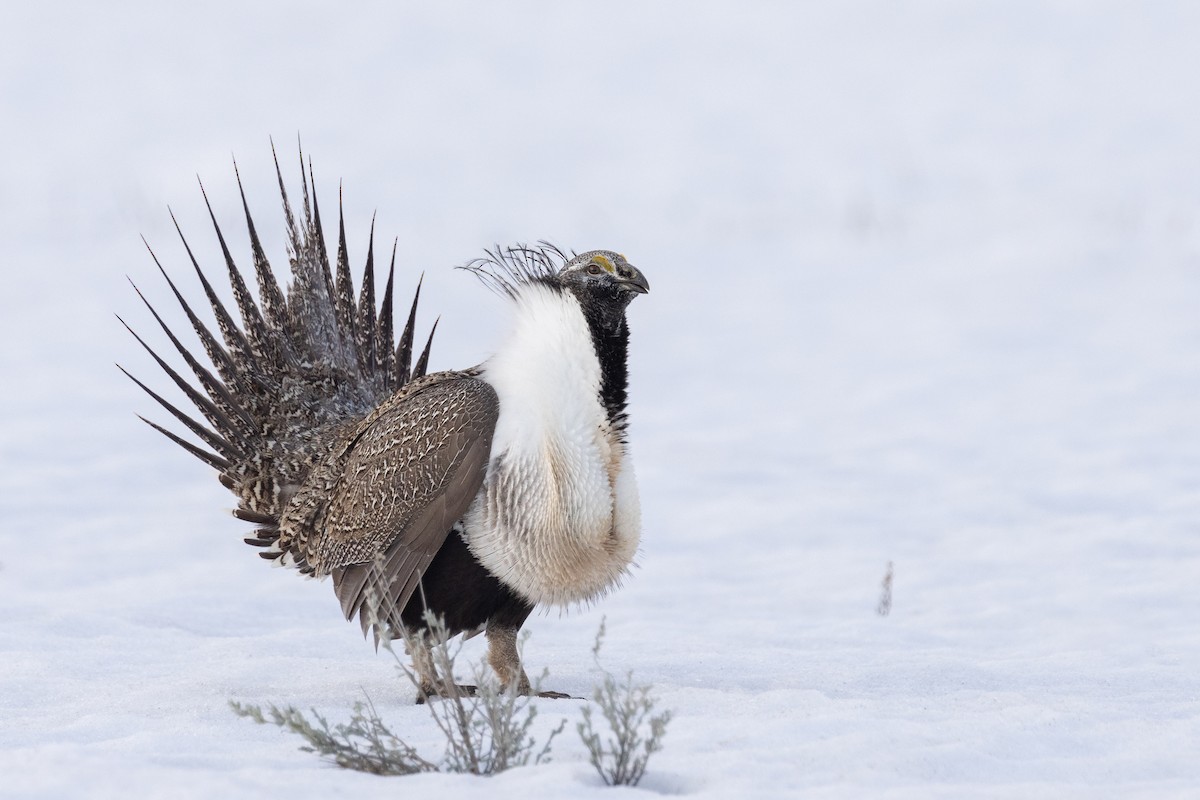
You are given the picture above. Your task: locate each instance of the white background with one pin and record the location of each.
(925, 289)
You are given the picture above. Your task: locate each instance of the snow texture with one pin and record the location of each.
(926, 279)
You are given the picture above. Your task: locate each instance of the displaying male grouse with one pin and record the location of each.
(478, 494)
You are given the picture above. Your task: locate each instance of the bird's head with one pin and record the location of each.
(604, 282)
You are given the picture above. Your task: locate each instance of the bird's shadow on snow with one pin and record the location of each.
(670, 783)
(664, 783)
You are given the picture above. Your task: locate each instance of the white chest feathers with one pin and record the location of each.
(558, 518)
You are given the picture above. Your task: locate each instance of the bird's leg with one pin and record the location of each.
(430, 682)
(506, 660)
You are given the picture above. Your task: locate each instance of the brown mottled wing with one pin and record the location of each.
(408, 477)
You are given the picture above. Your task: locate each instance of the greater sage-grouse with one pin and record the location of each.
(477, 494)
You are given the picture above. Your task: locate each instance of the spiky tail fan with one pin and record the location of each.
(295, 377)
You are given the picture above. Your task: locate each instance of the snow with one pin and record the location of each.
(925, 284)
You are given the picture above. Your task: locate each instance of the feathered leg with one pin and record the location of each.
(505, 659)
(431, 681)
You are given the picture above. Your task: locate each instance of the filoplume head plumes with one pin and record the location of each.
(476, 494)
(507, 269)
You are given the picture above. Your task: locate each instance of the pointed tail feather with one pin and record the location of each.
(214, 461)
(383, 331)
(206, 407)
(221, 445)
(423, 362)
(255, 334)
(344, 291)
(366, 323)
(274, 305)
(405, 346)
(227, 368)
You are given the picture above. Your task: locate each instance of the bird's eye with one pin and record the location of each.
(595, 269)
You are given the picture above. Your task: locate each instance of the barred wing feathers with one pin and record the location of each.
(378, 510)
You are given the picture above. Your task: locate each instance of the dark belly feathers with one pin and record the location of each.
(463, 593)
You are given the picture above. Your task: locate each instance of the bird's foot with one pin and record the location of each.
(468, 690)
(525, 689)
(425, 692)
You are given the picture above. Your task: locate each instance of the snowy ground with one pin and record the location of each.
(925, 282)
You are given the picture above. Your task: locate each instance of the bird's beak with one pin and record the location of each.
(636, 282)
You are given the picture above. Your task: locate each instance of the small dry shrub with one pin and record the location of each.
(634, 733)
(487, 730)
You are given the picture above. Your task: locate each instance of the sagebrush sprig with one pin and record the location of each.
(634, 731)
(885, 593)
(487, 729)
(364, 743)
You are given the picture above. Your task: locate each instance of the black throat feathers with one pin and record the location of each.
(610, 338)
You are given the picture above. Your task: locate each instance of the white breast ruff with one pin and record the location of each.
(557, 518)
